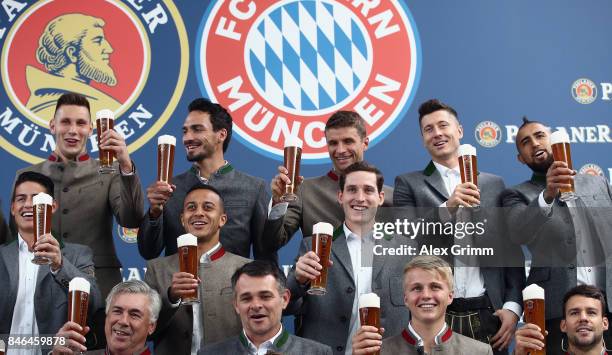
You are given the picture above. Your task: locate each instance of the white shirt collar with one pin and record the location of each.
(420, 342)
(22, 244)
(266, 345)
(206, 256)
(445, 171)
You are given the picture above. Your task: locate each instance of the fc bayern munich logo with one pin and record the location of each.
(584, 91)
(283, 67)
(591, 169)
(126, 56)
(128, 235)
(488, 134)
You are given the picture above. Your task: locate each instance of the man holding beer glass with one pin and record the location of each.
(20, 311)
(568, 240)
(260, 296)
(207, 132)
(428, 290)
(89, 200)
(182, 328)
(346, 138)
(132, 308)
(487, 300)
(583, 324)
(353, 269)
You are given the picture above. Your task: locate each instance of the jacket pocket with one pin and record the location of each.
(396, 290)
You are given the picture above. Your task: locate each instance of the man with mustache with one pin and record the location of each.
(260, 296)
(355, 268)
(132, 308)
(34, 298)
(583, 323)
(183, 329)
(487, 300)
(568, 241)
(74, 52)
(207, 132)
(347, 141)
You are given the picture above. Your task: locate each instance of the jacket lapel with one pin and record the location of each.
(434, 180)
(10, 255)
(340, 250)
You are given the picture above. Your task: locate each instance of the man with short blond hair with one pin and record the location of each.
(428, 290)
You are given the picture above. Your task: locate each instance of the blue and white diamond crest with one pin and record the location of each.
(308, 56)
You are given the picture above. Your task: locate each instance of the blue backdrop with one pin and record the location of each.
(493, 61)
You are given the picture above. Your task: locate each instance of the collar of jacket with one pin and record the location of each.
(218, 254)
(226, 168)
(55, 158)
(538, 178)
(278, 343)
(332, 175)
(412, 339)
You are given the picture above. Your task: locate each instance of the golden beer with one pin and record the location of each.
(188, 262)
(559, 141)
(78, 301)
(165, 158)
(42, 206)
(533, 304)
(105, 121)
(321, 245)
(292, 159)
(369, 311)
(468, 164)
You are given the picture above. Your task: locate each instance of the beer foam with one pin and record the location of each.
(559, 137)
(293, 141)
(79, 284)
(166, 139)
(369, 300)
(186, 240)
(467, 149)
(323, 228)
(106, 113)
(42, 199)
(533, 292)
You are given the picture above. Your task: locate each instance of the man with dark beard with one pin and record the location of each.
(74, 51)
(583, 323)
(567, 240)
(207, 132)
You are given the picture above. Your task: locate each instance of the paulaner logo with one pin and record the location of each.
(126, 56)
(282, 67)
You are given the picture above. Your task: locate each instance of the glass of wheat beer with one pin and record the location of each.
(321, 245)
(559, 141)
(188, 262)
(165, 158)
(78, 301)
(533, 302)
(292, 159)
(369, 311)
(105, 121)
(43, 207)
(468, 165)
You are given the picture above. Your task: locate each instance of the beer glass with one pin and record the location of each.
(188, 262)
(78, 301)
(105, 121)
(533, 302)
(321, 245)
(292, 159)
(42, 205)
(559, 141)
(369, 311)
(468, 166)
(165, 158)
(2, 347)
